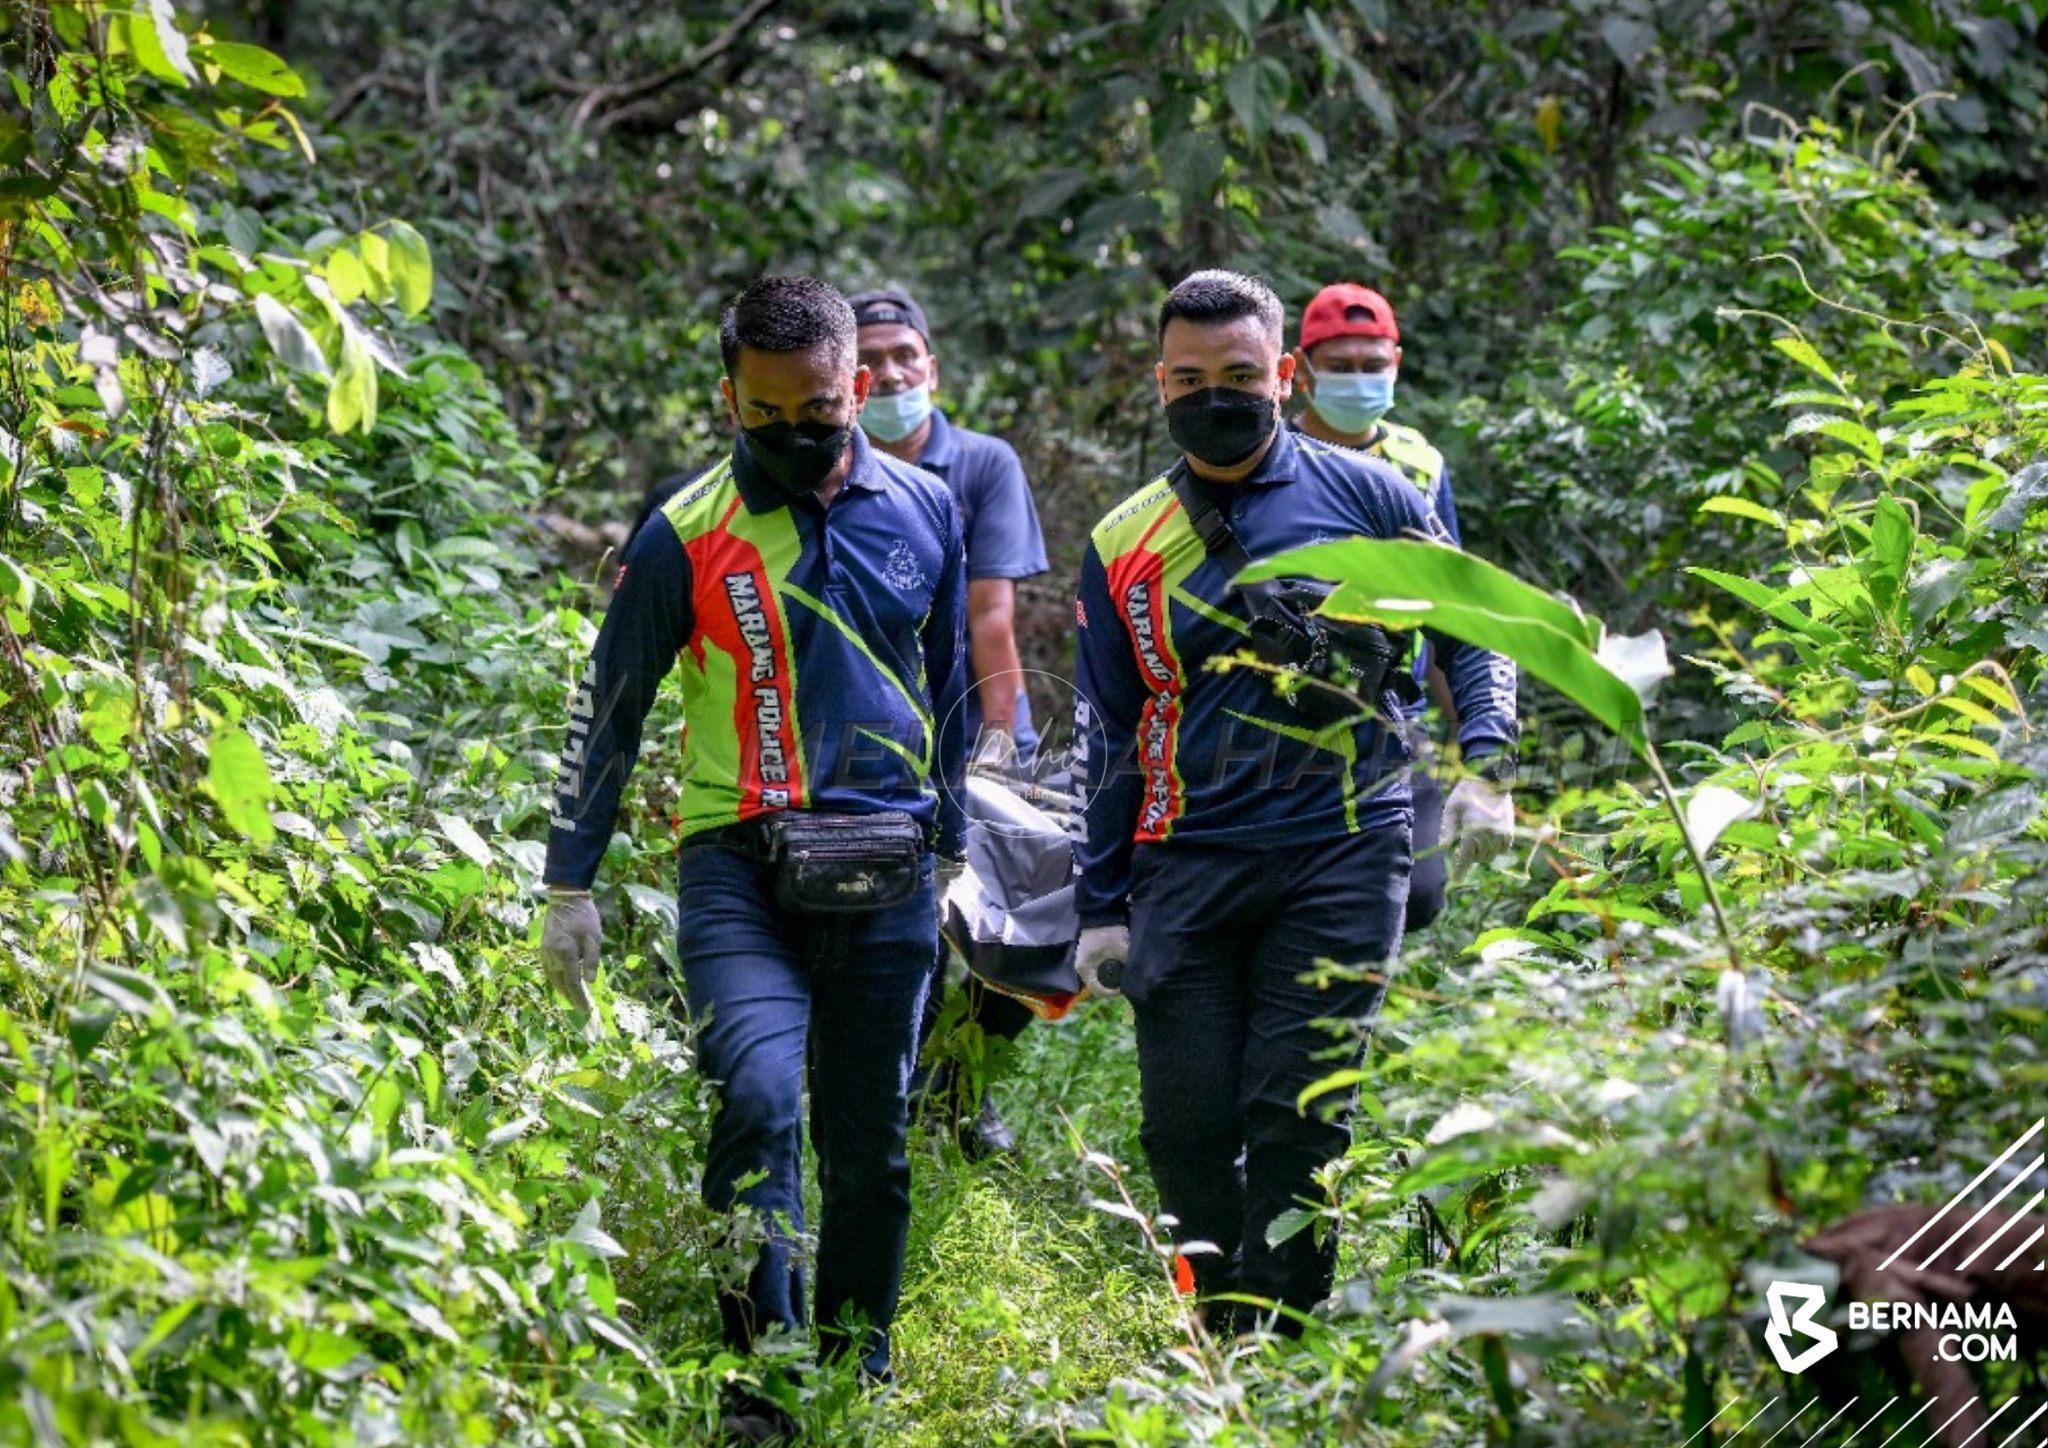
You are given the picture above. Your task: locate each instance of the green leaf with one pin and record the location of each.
(1770, 601)
(1891, 549)
(587, 1234)
(345, 275)
(1370, 92)
(1802, 351)
(1466, 1157)
(1630, 40)
(1051, 192)
(1403, 584)
(464, 837)
(160, 46)
(254, 66)
(323, 1352)
(1192, 163)
(352, 399)
(87, 1029)
(1256, 89)
(1743, 508)
(1855, 434)
(288, 337)
(167, 1322)
(2023, 493)
(239, 780)
(1246, 14)
(412, 267)
(1290, 1224)
(17, 584)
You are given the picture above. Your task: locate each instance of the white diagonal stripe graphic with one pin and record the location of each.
(2010, 1222)
(1752, 1418)
(1988, 1421)
(1909, 1422)
(1713, 1420)
(1831, 1422)
(1866, 1423)
(2003, 1192)
(1789, 1421)
(2021, 1248)
(1928, 1441)
(2023, 1427)
(1982, 1176)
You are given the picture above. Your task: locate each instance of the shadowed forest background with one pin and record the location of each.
(321, 317)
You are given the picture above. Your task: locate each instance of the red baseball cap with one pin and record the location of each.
(1347, 310)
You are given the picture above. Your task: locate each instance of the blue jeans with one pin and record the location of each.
(778, 997)
(1229, 1035)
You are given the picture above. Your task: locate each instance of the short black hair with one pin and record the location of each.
(1216, 295)
(786, 314)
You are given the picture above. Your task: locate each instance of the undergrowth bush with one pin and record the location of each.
(292, 1145)
(1654, 388)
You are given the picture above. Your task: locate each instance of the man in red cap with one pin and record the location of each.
(1347, 360)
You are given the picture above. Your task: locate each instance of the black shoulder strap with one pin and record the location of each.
(1219, 539)
(1221, 543)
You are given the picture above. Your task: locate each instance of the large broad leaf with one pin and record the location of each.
(1891, 550)
(1769, 600)
(2025, 491)
(160, 46)
(1257, 90)
(239, 780)
(411, 264)
(254, 66)
(1406, 584)
(288, 337)
(352, 399)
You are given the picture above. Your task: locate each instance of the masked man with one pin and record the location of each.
(1347, 360)
(812, 592)
(1236, 834)
(1000, 524)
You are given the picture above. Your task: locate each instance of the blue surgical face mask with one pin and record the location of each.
(1350, 402)
(894, 417)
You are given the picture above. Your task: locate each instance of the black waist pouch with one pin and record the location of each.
(843, 863)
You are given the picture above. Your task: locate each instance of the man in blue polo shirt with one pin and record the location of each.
(1347, 360)
(1004, 544)
(1235, 834)
(811, 591)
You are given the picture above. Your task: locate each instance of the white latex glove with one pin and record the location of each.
(1479, 822)
(570, 940)
(995, 752)
(944, 873)
(1100, 956)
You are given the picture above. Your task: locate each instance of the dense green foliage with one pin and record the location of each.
(1726, 337)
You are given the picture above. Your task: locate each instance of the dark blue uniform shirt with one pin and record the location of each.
(1423, 466)
(999, 522)
(1173, 750)
(821, 647)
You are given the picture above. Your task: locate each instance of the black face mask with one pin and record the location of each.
(1221, 426)
(797, 455)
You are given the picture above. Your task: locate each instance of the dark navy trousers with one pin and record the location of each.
(779, 997)
(1229, 1034)
(1430, 885)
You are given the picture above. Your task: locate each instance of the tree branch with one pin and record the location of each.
(611, 99)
